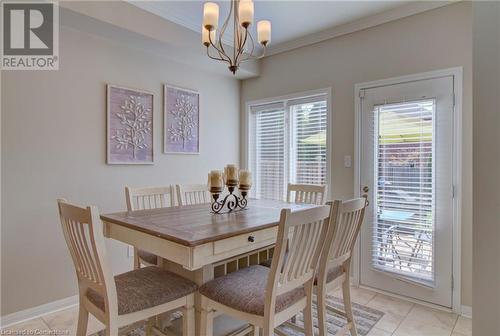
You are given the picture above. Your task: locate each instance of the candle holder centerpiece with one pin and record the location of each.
(233, 179)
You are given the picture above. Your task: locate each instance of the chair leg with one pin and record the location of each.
(256, 331)
(149, 326)
(111, 330)
(188, 320)
(206, 318)
(268, 329)
(321, 306)
(346, 293)
(137, 261)
(308, 319)
(83, 320)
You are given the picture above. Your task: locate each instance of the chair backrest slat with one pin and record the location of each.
(190, 194)
(344, 230)
(82, 230)
(149, 198)
(304, 233)
(306, 193)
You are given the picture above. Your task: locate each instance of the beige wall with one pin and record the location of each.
(53, 145)
(432, 40)
(486, 51)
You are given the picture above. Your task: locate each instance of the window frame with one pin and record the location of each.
(286, 99)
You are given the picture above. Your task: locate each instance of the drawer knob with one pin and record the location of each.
(251, 239)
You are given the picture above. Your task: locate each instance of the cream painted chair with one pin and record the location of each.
(268, 297)
(303, 193)
(189, 194)
(148, 198)
(126, 298)
(306, 193)
(335, 261)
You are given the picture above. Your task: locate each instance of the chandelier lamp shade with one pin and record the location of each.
(241, 17)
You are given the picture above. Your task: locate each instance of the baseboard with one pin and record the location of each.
(38, 311)
(467, 311)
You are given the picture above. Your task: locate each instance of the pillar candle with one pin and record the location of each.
(245, 177)
(232, 172)
(216, 179)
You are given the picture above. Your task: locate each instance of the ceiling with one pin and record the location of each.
(291, 20)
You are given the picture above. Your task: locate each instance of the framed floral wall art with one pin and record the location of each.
(181, 133)
(129, 126)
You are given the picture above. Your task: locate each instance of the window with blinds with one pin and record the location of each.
(288, 144)
(404, 170)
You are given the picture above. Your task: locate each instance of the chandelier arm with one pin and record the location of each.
(221, 33)
(236, 32)
(222, 55)
(215, 58)
(250, 55)
(241, 47)
(264, 49)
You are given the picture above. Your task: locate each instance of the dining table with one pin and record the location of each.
(194, 242)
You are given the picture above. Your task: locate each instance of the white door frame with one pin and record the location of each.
(457, 74)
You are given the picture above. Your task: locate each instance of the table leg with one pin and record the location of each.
(202, 276)
(199, 276)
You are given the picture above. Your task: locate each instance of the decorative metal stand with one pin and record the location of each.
(231, 202)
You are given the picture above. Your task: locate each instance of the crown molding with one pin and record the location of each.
(176, 16)
(353, 26)
(397, 13)
(147, 32)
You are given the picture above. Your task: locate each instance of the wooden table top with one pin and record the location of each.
(193, 225)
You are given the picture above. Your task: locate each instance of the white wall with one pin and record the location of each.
(53, 145)
(486, 51)
(432, 40)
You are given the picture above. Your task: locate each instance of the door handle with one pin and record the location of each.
(366, 189)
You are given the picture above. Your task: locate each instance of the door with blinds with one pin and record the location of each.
(407, 171)
(288, 143)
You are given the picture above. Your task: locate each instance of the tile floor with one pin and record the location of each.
(401, 318)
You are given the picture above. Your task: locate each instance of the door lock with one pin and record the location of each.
(366, 190)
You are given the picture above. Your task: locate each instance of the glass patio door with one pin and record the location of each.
(407, 172)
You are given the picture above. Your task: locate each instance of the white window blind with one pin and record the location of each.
(308, 145)
(268, 150)
(404, 223)
(288, 143)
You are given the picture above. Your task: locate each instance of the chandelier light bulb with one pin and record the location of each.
(264, 32)
(245, 12)
(210, 15)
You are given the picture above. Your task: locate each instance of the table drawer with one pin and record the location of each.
(248, 240)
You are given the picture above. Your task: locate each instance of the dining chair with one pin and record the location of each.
(334, 263)
(189, 194)
(268, 297)
(143, 199)
(306, 193)
(126, 298)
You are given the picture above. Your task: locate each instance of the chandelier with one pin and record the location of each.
(241, 12)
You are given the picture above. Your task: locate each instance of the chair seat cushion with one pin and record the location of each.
(332, 274)
(245, 290)
(145, 288)
(150, 258)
